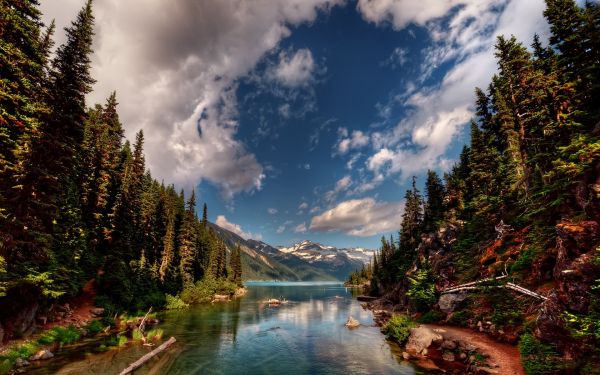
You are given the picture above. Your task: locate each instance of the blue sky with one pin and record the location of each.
(300, 119)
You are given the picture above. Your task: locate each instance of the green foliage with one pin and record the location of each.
(137, 335)
(94, 327)
(398, 328)
(121, 340)
(60, 335)
(154, 334)
(432, 316)
(204, 290)
(175, 303)
(538, 358)
(421, 292)
(461, 318)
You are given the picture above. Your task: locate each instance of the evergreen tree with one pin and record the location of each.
(434, 208)
(236, 265)
(412, 222)
(187, 242)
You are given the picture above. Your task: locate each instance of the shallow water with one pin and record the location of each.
(305, 336)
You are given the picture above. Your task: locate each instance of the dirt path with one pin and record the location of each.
(504, 355)
(81, 307)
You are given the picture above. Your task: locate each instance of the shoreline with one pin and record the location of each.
(457, 349)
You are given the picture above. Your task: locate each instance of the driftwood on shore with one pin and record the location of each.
(140, 362)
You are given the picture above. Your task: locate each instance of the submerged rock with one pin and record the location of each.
(352, 323)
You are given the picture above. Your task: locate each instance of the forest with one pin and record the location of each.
(522, 201)
(77, 202)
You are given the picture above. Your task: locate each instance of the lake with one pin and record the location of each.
(305, 336)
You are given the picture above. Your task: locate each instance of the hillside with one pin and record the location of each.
(261, 261)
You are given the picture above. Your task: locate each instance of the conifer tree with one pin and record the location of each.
(187, 242)
(434, 208)
(236, 265)
(412, 222)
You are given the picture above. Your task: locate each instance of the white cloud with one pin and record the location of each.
(356, 140)
(303, 206)
(171, 64)
(360, 217)
(300, 228)
(341, 185)
(272, 211)
(438, 113)
(295, 70)
(398, 58)
(280, 229)
(236, 228)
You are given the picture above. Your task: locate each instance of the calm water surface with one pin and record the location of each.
(245, 336)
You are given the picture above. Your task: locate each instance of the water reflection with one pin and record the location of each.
(305, 336)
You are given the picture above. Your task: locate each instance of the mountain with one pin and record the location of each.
(261, 261)
(336, 262)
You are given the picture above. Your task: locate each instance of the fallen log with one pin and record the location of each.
(140, 362)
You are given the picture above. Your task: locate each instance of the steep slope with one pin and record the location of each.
(336, 262)
(256, 265)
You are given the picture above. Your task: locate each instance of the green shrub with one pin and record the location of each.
(154, 334)
(175, 303)
(398, 328)
(432, 316)
(61, 335)
(421, 292)
(137, 335)
(121, 340)
(461, 318)
(94, 327)
(538, 358)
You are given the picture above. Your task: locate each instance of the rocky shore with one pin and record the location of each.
(451, 349)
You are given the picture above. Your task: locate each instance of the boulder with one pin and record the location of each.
(42, 354)
(448, 356)
(450, 301)
(97, 311)
(421, 338)
(352, 323)
(449, 344)
(20, 362)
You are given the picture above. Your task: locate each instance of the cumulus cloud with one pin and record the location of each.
(300, 228)
(303, 206)
(360, 217)
(236, 228)
(438, 113)
(348, 142)
(173, 64)
(272, 211)
(280, 229)
(295, 69)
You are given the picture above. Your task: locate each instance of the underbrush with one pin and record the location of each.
(204, 290)
(538, 358)
(398, 328)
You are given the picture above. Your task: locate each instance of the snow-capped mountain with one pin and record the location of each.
(312, 251)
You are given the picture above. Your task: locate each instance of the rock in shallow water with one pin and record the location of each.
(352, 323)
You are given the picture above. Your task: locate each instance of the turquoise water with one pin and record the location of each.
(245, 336)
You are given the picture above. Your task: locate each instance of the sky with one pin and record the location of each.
(299, 119)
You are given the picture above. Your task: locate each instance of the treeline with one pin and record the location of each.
(533, 162)
(76, 200)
